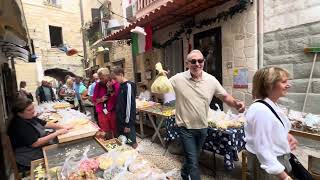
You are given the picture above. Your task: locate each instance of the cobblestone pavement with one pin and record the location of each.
(163, 159)
(156, 154)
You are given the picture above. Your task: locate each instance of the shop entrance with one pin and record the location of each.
(209, 43)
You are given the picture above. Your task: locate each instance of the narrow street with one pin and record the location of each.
(159, 89)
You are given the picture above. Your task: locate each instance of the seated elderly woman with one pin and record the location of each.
(27, 133)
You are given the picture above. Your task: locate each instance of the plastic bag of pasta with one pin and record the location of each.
(161, 84)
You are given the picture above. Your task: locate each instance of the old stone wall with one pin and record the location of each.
(284, 48)
(280, 14)
(39, 16)
(239, 44)
(118, 53)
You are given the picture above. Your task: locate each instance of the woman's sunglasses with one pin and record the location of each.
(194, 61)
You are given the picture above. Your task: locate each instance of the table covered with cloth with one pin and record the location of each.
(223, 142)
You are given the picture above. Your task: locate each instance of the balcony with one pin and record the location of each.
(146, 6)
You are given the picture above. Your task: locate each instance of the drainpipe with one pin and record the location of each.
(260, 33)
(83, 37)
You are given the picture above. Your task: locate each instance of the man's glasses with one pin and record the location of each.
(194, 61)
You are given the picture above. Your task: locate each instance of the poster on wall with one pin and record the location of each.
(240, 78)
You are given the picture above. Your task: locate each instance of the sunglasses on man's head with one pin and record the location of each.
(194, 61)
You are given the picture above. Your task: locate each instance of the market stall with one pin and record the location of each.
(82, 155)
(225, 132)
(141, 105)
(60, 112)
(91, 158)
(306, 125)
(160, 113)
(227, 141)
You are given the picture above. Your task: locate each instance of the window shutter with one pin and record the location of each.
(95, 14)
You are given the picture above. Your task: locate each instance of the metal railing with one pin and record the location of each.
(144, 3)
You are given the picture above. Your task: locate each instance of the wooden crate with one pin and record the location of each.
(35, 164)
(79, 133)
(55, 155)
(103, 143)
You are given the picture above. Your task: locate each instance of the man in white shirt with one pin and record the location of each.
(194, 91)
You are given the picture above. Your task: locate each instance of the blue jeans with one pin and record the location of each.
(192, 141)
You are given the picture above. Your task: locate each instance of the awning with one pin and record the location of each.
(14, 50)
(13, 30)
(167, 14)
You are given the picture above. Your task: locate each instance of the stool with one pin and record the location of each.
(314, 166)
(244, 171)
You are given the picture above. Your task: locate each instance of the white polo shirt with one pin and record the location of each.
(193, 98)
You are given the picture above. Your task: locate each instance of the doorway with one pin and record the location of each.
(209, 43)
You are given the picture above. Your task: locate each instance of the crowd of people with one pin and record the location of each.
(267, 128)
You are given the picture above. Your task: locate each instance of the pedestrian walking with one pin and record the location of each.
(268, 141)
(194, 91)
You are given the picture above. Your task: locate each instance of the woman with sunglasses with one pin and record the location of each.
(194, 91)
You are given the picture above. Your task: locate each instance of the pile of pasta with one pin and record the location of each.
(222, 120)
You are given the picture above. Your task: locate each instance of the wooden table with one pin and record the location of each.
(162, 117)
(304, 134)
(141, 119)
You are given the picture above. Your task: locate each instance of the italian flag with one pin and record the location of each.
(141, 41)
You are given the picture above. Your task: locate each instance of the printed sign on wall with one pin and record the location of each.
(240, 78)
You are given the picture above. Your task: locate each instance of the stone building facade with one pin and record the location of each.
(289, 27)
(119, 56)
(119, 53)
(238, 42)
(63, 15)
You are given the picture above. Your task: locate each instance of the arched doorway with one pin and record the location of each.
(58, 74)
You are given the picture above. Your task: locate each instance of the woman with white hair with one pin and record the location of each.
(67, 92)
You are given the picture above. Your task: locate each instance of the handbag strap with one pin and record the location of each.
(273, 111)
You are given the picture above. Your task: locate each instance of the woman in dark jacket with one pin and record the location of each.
(27, 133)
